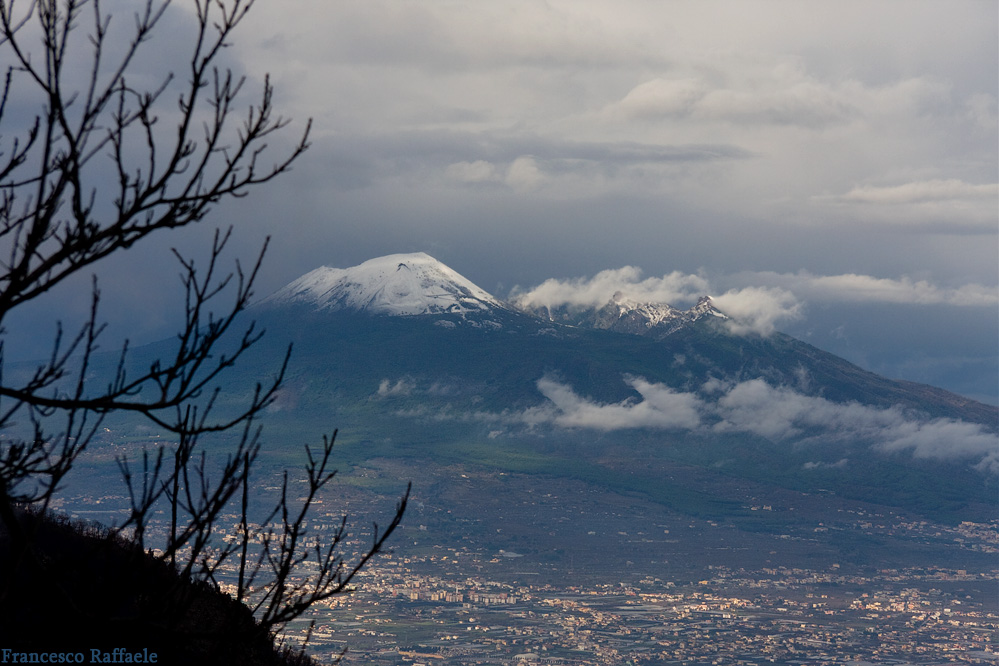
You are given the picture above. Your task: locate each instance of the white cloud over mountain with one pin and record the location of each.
(781, 414)
(757, 309)
(765, 301)
(598, 290)
(659, 407)
(776, 413)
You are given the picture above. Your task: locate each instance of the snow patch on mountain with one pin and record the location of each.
(396, 284)
(627, 315)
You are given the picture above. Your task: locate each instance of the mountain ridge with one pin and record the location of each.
(626, 315)
(411, 284)
(416, 285)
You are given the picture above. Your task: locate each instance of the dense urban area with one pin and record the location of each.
(450, 605)
(777, 616)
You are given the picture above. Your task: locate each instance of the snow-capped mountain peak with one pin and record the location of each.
(396, 284)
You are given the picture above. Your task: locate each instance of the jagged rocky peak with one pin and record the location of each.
(705, 306)
(396, 284)
(627, 315)
(646, 314)
(650, 319)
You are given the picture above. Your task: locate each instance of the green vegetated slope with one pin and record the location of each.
(412, 388)
(449, 391)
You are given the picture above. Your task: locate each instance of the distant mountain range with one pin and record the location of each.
(623, 315)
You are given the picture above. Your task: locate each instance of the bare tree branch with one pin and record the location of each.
(92, 173)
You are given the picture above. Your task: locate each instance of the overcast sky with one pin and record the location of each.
(835, 161)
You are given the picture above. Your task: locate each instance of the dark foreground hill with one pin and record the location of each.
(83, 590)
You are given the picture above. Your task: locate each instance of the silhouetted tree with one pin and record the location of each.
(95, 171)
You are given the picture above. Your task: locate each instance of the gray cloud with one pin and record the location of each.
(487, 156)
(801, 101)
(853, 288)
(842, 463)
(937, 204)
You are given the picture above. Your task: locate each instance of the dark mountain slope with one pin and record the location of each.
(508, 355)
(783, 360)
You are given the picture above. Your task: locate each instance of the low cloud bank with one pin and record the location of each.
(854, 288)
(659, 407)
(776, 413)
(782, 413)
(919, 191)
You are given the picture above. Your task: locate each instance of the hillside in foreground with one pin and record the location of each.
(81, 588)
